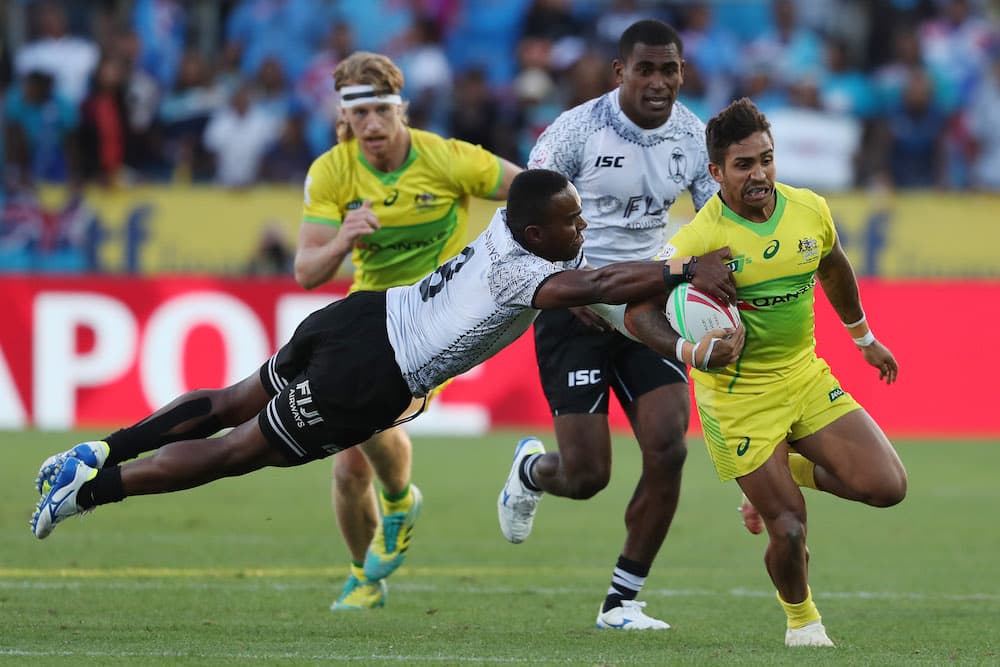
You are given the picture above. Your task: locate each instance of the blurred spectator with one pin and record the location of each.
(427, 75)
(612, 22)
(40, 124)
(886, 17)
(891, 78)
(714, 53)
(274, 256)
(103, 125)
(274, 95)
(185, 112)
(915, 136)
(378, 25)
(984, 126)
(484, 29)
(315, 88)
(550, 20)
(790, 50)
(957, 43)
(68, 59)
(161, 29)
(239, 134)
(289, 159)
(589, 77)
(845, 89)
(143, 95)
(288, 30)
(475, 115)
(815, 146)
(537, 107)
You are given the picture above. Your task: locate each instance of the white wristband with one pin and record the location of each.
(708, 355)
(694, 354)
(854, 324)
(679, 352)
(865, 340)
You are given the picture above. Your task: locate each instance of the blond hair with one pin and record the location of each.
(372, 69)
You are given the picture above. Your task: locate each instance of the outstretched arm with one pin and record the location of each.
(836, 276)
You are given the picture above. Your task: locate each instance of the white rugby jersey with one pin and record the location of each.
(627, 177)
(470, 308)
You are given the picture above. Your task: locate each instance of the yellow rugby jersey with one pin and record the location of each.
(774, 264)
(422, 207)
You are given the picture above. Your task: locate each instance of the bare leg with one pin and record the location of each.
(192, 416)
(354, 502)
(854, 460)
(582, 466)
(659, 419)
(189, 463)
(783, 509)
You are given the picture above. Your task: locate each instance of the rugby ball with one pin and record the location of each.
(692, 313)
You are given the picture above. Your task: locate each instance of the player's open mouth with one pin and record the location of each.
(658, 102)
(757, 193)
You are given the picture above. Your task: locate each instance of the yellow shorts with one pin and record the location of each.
(742, 430)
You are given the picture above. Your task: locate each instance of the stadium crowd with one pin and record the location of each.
(896, 93)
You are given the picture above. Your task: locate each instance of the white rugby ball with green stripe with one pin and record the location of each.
(692, 313)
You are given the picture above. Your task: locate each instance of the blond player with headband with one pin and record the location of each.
(395, 199)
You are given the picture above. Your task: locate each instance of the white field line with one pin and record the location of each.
(257, 580)
(297, 657)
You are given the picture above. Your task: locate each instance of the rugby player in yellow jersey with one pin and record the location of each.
(395, 199)
(777, 419)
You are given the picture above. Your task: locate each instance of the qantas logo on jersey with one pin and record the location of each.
(765, 301)
(609, 161)
(410, 244)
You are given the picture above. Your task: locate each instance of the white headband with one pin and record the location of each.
(352, 96)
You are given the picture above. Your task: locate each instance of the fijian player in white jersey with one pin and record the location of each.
(630, 153)
(351, 369)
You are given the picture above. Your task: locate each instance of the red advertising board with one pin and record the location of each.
(105, 351)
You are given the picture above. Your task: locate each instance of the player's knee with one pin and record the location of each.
(665, 460)
(587, 483)
(788, 527)
(891, 492)
(351, 473)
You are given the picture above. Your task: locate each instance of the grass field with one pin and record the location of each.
(242, 572)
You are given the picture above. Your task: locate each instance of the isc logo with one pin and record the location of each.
(582, 378)
(609, 161)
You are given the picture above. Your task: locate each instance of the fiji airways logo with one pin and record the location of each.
(300, 402)
(583, 378)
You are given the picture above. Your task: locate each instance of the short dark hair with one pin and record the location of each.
(650, 32)
(733, 124)
(529, 197)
